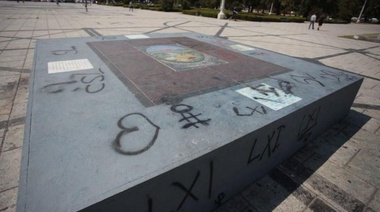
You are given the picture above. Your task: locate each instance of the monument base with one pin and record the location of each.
(221, 15)
(166, 122)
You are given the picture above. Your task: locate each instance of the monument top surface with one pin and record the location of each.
(117, 111)
(158, 69)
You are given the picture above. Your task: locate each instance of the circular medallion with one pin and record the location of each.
(174, 53)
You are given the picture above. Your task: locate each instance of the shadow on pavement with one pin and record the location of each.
(288, 180)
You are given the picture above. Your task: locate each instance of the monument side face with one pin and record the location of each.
(176, 122)
(208, 181)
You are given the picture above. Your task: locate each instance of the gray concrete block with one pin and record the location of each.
(101, 137)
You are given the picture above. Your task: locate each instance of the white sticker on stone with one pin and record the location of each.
(136, 36)
(269, 96)
(68, 65)
(241, 47)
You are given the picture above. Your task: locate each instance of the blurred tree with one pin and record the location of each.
(208, 3)
(167, 5)
(372, 9)
(347, 9)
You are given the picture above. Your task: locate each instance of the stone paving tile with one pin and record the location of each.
(366, 140)
(13, 64)
(12, 208)
(371, 84)
(17, 53)
(374, 99)
(372, 126)
(373, 113)
(2, 133)
(5, 105)
(3, 44)
(339, 156)
(19, 110)
(8, 199)
(3, 118)
(3, 125)
(28, 64)
(320, 205)
(39, 34)
(18, 44)
(288, 46)
(319, 185)
(354, 62)
(8, 86)
(13, 138)
(375, 203)
(24, 79)
(354, 186)
(367, 165)
(30, 55)
(8, 34)
(21, 95)
(267, 195)
(4, 73)
(11, 58)
(9, 169)
(24, 34)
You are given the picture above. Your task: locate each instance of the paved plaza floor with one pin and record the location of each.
(339, 171)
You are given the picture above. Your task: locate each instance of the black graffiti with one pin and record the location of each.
(133, 129)
(264, 91)
(63, 52)
(341, 129)
(192, 119)
(336, 76)
(210, 179)
(57, 87)
(150, 204)
(220, 198)
(270, 100)
(89, 85)
(309, 121)
(285, 86)
(270, 148)
(93, 82)
(188, 191)
(252, 111)
(306, 79)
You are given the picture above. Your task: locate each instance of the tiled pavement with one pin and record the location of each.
(339, 171)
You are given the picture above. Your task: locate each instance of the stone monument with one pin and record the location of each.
(166, 122)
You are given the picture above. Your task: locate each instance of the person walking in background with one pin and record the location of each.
(313, 18)
(85, 5)
(130, 6)
(320, 20)
(58, 2)
(234, 13)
